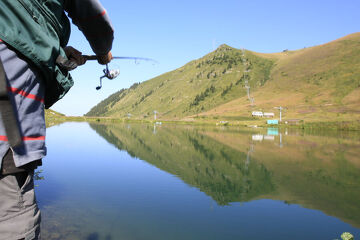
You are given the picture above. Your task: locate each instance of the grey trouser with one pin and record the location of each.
(19, 213)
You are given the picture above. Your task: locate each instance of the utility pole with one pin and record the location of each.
(246, 77)
(247, 90)
(280, 109)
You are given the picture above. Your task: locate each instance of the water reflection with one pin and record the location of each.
(133, 181)
(317, 172)
(223, 173)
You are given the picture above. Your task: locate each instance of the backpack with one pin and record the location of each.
(39, 30)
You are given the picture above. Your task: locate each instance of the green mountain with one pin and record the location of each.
(315, 83)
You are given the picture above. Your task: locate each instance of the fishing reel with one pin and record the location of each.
(109, 74)
(113, 73)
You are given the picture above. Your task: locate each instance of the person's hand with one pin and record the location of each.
(74, 55)
(104, 59)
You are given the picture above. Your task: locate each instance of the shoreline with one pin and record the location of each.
(308, 125)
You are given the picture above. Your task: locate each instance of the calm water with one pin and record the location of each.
(136, 181)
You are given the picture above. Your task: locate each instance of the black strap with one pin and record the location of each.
(65, 64)
(7, 112)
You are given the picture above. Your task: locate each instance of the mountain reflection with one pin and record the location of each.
(237, 166)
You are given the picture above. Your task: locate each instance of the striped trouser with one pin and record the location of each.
(26, 91)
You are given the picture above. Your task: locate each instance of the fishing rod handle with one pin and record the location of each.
(95, 57)
(90, 57)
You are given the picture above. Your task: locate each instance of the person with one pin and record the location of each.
(34, 73)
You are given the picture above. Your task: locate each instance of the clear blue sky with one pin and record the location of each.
(176, 32)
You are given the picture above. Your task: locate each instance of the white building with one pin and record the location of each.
(269, 114)
(257, 114)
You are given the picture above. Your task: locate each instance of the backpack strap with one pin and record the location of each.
(7, 112)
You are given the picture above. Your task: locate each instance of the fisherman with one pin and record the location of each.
(34, 73)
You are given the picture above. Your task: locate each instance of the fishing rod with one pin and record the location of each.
(113, 73)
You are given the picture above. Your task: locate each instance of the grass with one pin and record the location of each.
(54, 118)
(211, 121)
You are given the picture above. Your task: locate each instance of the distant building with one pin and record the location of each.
(257, 114)
(272, 122)
(269, 114)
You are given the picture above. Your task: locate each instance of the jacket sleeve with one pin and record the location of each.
(93, 21)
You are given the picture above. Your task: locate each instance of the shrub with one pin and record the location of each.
(347, 236)
(226, 90)
(200, 97)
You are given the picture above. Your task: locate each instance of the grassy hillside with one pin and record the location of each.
(53, 118)
(318, 83)
(196, 87)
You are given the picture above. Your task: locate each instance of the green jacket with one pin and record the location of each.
(39, 30)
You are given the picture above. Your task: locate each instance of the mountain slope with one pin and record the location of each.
(53, 118)
(198, 86)
(322, 82)
(315, 83)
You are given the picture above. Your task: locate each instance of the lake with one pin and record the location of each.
(141, 181)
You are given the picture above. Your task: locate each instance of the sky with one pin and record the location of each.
(176, 32)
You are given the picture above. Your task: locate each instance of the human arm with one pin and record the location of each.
(92, 20)
(104, 59)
